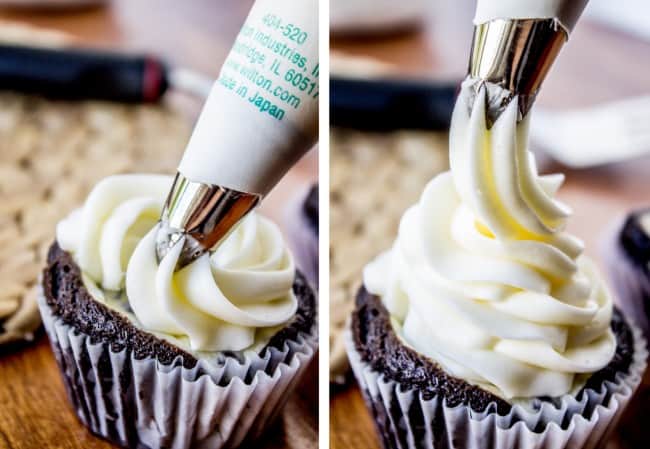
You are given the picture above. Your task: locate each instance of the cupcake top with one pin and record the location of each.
(231, 299)
(484, 280)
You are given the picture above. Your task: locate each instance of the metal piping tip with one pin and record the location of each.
(202, 213)
(511, 58)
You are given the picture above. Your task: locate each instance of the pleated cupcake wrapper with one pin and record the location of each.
(405, 420)
(144, 404)
(631, 284)
(302, 238)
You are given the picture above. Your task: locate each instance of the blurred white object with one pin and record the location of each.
(20, 33)
(372, 16)
(631, 16)
(363, 67)
(50, 3)
(580, 138)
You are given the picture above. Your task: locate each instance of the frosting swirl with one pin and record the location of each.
(218, 302)
(482, 277)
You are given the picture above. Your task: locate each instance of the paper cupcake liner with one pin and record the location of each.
(303, 239)
(405, 420)
(145, 404)
(631, 284)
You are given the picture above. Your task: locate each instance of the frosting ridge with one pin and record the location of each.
(483, 278)
(218, 303)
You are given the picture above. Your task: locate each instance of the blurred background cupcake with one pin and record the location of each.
(627, 254)
(629, 265)
(302, 221)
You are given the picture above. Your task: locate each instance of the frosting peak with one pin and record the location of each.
(217, 303)
(482, 277)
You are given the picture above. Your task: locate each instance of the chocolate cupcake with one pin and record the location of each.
(151, 357)
(484, 326)
(302, 225)
(382, 353)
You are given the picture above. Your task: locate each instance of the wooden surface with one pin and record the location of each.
(596, 65)
(34, 411)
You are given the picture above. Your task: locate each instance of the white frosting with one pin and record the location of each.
(218, 302)
(482, 277)
(566, 12)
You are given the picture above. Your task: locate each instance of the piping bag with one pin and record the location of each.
(514, 45)
(260, 118)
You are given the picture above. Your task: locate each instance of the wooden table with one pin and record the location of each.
(34, 411)
(596, 65)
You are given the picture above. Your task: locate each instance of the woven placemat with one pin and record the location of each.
(373, 179)
(51, 155)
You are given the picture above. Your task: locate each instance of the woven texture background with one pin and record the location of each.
(51, 154)
(374, 178)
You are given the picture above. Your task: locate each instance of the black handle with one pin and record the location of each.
(74, 74)
(388, 105)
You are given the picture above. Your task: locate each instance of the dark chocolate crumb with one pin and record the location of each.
(380, 347)
(69, 299)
